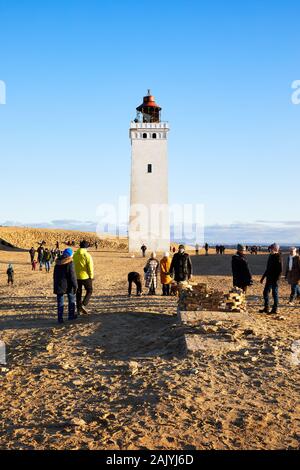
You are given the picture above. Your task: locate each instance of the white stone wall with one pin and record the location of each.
(149, 214)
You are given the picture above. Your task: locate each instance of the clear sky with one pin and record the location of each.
(75, 70)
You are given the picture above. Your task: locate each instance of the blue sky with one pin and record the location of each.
(75, 71)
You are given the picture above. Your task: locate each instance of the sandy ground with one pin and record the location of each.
(120, 379)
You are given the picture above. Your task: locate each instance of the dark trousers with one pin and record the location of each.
(88, 285)
(295, 292)
(60, 306)
(166, 289)
(138, 287)
(271, 286)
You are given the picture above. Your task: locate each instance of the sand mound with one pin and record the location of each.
(25, 238)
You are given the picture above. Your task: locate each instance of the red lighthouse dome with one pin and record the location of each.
(149, 111)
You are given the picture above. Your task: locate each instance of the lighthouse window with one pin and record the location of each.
(149, 168)
(145, 136)
(154, 136)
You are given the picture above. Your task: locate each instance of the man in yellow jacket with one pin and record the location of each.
(84, 269)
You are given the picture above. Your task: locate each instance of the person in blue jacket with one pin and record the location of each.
(65, 282)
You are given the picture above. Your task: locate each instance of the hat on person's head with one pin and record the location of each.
(181, 247)
(275, 247)
(84, 244)
(240, 247)
(67, 252)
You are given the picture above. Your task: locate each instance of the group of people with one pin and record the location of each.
(254, 249)
(179, 268)
(172, 269)
(220, 249)
(242, 276)
(144, 249)
(75, 272)
(72, 274)
(45, 257)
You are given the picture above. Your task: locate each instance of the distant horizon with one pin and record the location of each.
(215, 234)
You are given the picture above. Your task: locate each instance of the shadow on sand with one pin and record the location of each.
(123, 327)
(220, 265)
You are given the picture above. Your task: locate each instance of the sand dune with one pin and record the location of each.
(25, 238)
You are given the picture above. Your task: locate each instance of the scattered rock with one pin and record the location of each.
(50, 347)
(133, 367)
(77, 382)
(79, 422)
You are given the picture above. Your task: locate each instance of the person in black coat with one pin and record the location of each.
(134, 278)
(181, 266)
(242, 276)
(65, 282)
(32, 254)
(272, 276)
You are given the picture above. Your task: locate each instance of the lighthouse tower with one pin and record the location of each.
(149, 211)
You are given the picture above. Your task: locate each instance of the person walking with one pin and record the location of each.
(197, 249)
(181, 265)
(206, 247)
(134, 278)
(144, 249)
(242, 277)
(10, 275)
(47, 259)
(40, 252)
(151, 271)
(292, 274)
(165, 278)
(32, 254)
(53, 255)
(65, 283)
(272, 276)
(84, 268)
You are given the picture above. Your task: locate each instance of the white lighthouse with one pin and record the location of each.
(149, 210)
